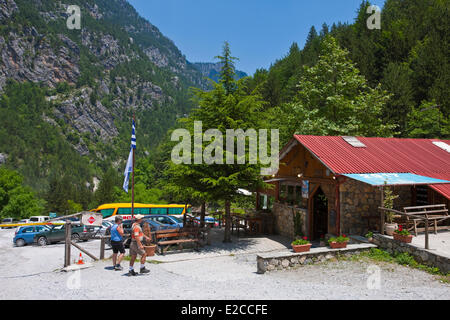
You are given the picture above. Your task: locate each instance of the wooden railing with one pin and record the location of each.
(422, 215)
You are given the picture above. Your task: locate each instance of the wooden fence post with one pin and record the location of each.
(68, 241)
(102, 248)
(427, 245)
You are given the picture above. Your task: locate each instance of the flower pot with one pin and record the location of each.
(338, 245)
(150, 250)
(403, 238)
(301, 247)
(389, 228)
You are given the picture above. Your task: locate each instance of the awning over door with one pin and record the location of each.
(393, 179)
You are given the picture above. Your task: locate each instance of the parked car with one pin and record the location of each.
(8, 221)
(101, 231)
(208, 220)
(58, 233)
(165, 219)
(22, 221)
(154, 226)
(25, 235)
(39, 218)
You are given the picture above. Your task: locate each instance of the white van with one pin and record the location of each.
(39, 218)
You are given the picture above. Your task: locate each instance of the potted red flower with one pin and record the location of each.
(301, 245)
(338, 242)
(402, 235)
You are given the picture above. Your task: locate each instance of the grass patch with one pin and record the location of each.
(404, 259)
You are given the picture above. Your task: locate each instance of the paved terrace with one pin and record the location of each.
(439, 243)
(239, 245)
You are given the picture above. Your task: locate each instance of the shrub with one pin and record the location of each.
(369, 234)
(402, 232)
(342, 238)
(300, 241)
(405, 259)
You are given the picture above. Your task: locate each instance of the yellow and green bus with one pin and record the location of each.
(124, 209)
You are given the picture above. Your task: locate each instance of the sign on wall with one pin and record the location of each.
(305, 189)
(92, 219)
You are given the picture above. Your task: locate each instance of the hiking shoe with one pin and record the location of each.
(118, 268)
(132, 273)
(144, 270)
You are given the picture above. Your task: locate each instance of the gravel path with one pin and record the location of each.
(28, 273)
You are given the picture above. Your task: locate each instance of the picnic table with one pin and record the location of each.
(252, 225)
(421, 215)
(166, 238)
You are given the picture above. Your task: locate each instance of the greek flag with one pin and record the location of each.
(129, 167)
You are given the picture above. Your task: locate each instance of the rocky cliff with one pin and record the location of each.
(212, 70)
(116, 64)
(113, 37)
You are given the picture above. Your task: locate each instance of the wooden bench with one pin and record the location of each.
(238, 222)
(434, 214)
(177, 237)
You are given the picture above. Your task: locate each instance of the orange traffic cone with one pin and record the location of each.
(80, 259)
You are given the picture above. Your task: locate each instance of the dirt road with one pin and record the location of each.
(31, 273)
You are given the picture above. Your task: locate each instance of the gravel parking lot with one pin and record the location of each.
(32, 273)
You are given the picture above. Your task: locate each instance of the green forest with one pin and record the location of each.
(346, 80)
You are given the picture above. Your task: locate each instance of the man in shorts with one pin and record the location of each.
(117, 243)
(137, 247)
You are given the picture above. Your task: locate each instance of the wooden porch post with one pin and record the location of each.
(338, 209)
(382, 212)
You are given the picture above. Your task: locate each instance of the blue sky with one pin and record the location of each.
(259, 31)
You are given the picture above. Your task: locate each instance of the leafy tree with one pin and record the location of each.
(105, 192)
(427, 121)
(333, 99)
(74, 207)
(141, 195)
(16, 200)
(396, 80)
(227, 106)
(228, 71)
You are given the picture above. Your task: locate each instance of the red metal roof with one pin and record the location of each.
(388, 155)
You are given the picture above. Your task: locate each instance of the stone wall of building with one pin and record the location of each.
(284, 219)
(360, 200)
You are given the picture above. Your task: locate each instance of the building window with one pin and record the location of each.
(283, 193)
(422, 195)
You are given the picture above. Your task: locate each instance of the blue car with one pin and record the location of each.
(208, 220)
(173, 222)
(25, 235)
(127, 224)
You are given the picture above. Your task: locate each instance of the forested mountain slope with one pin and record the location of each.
(409, 57)
(68, 95)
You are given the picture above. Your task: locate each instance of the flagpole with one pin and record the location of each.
(132, 180)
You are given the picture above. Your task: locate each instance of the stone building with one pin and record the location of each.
(333, 185)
